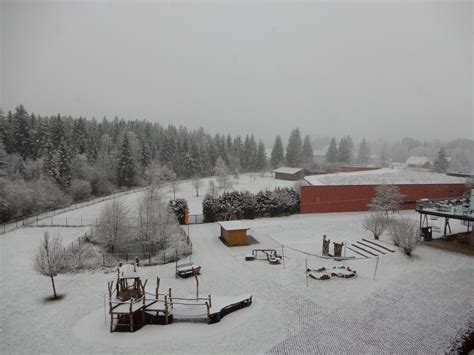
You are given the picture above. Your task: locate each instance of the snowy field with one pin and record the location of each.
(249, 182)
(413, 306)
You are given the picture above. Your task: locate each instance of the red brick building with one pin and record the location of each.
(354, 191)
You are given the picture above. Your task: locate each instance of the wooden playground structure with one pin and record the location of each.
(131, 307)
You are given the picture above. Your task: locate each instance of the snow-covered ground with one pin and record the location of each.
(249, 182)
(414, 305)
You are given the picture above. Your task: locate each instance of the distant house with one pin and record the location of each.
(419, 162)
(287, 173)
(319, 155)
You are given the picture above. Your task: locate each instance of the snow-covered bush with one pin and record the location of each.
(80, 189)
(376, 223)
(178, 207)
(82, 256)
(47, 194)
(279, 202)
(404, 233)
(387, 199)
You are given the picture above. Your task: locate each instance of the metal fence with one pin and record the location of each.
(195, 219)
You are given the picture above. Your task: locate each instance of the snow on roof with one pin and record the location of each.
(287, 170)
(383, 176)
(416, 160)
(233, 225)
(128, 271)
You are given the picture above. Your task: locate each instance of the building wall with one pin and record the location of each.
(348, 198)
(291, 177)
(234, 238)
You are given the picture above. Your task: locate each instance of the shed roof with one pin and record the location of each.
(233, 225)
(287, 170)
(383, 176)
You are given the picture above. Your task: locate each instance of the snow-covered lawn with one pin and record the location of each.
(249, 182)
(413, 305)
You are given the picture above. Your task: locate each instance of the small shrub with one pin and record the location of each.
(178, 207)
(404, 233)
(376, 223)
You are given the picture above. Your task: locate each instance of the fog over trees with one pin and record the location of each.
(50, 161)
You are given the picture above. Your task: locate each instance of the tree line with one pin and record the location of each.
(76, 158)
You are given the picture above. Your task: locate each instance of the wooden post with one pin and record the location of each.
(208, 313)
(197, 283)
(376, 265)
(157, 287)
(166, 309)
(210, 301)
(306, 270)
(283, 256)
(131, 315)
(171, 299)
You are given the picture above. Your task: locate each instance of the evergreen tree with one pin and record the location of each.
(21, 132)
(441, 163)
(345, 152)
(363, 155)
(332, 153)
(308, 152)
(261, 157)
(64, 157)
(145, 154)
(56, 130)
(79, 135)
(294, 149)
(278, 154)
(125, 164)
(3, 159)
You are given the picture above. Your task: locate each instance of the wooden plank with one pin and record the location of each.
(368, 246)
(381, 246)
(365, 251)
(355, 251)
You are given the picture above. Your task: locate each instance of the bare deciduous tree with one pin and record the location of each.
(375, 223)
(222, 175)
(197, 183)
(112, 228)
(211, 189)
(48, 259)
(404, 233)
(387, 199)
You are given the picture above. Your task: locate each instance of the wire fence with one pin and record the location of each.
(45, 218)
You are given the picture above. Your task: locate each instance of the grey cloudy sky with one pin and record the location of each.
(387, 68)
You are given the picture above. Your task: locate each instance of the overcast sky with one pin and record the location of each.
(369, 69)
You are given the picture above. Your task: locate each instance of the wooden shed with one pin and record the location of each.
(287, 173)
(234, 233)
